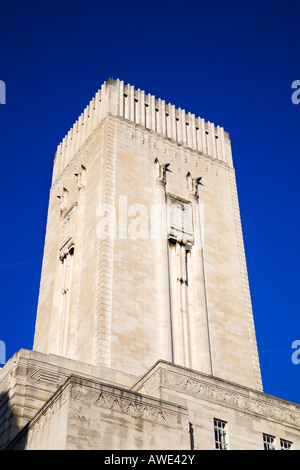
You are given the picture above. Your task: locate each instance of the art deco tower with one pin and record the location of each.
(144, 334)
(144, 257)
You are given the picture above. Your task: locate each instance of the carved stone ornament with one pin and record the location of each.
(267, 407)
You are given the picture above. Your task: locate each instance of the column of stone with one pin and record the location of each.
(142, 108)
(62, 156)
(121, 99)
(199, 326)
(158, 116)
(78, 243)
(165, 323)
(183, 125)
(85, 125)
(163, 118)
(203, 136)
(104, 100)
(76, 138)
(182, 284)
(58, 161)
(137, 106)
(179, 127)
(213, 140)
(193, 131)
(63, 153)
(97, 107)
(148, 111)
(126, 103)
(131, 102)
(199, 135)
(68, 156)
(152, 112)
(188, 132)
(55, 169)
(173, 122)
(176, 313)
(106, 235)
(66, 311)
(79, 131)
(71, 144)
(168, 121)
(90, 114)
(222, 144)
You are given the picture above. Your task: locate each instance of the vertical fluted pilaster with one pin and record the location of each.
(164, 274)
(199, 326)
(106, 235)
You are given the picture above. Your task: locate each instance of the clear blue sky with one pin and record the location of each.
(231, 63)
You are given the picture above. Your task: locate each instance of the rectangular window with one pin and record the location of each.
(269, 442)
(220, 428)
(285, 445)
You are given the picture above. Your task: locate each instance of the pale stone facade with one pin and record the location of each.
(144, 299)
(130, 303)
(59, 403)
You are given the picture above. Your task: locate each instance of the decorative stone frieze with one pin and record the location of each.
(165, 378)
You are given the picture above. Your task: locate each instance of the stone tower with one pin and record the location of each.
(144, 324)
(144, 255)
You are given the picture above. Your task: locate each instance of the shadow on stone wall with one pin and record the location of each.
(9, 427)
(6, 420)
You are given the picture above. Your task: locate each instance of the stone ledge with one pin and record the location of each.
(83, 398)
(164, 376)
(31, 377)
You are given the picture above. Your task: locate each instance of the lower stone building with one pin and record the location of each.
(56, 403)
(144, 336)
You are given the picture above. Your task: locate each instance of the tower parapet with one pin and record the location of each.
(145, 110)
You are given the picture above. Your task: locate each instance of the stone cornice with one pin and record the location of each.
(185, 381)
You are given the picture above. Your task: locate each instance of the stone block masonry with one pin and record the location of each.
(113, 294)
(144, 336)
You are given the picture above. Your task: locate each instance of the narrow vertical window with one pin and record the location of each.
(269, 442)
(220, 428)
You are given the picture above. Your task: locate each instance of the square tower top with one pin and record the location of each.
(145, 110)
